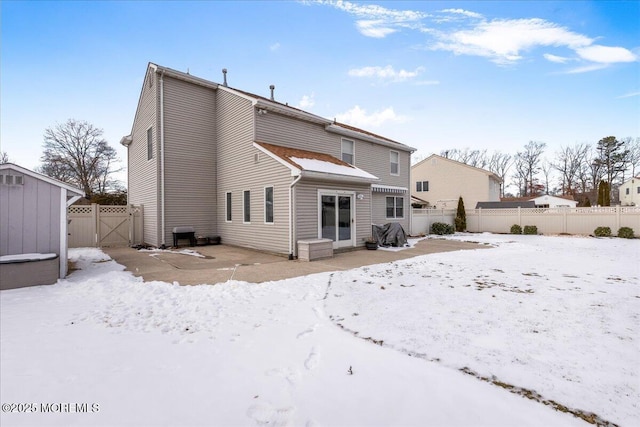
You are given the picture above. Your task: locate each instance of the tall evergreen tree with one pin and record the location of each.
(461, 216)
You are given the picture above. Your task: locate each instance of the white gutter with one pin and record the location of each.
(162, 224)
(291, 205)
(63, 234)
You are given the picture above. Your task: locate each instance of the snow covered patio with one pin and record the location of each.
(377, 345)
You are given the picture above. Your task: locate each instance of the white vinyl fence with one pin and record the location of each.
(103, 225)
(547, 220)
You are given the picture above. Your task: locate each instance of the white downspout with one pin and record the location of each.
(291, 205)
(162, 224)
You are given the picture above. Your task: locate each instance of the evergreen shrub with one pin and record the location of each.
(516, 229)
(441, 228)
(602, 232)
(626, 233)
(530, 229)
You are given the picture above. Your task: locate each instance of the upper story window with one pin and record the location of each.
(347, 151)
(150, 143)
(422, 186)
(394, 157)
(627, 191)
(395, 207)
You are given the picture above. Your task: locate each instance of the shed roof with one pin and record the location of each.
(53, 181)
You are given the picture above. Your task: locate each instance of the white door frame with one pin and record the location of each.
(337, 243)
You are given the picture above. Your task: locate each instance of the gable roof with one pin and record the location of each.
(285, 109)
(314, 165)
(484, 171)
(41, 177)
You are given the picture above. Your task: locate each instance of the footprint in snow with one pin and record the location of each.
(307, 331)
(312, 360)
(265, 414)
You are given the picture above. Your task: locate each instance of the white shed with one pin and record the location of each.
(33, 227)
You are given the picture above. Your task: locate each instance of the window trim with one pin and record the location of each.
(272, 203)
(395, 207)
(353, 150)
(391, 163)
(246, 211)
(150, 143)
(228, 206)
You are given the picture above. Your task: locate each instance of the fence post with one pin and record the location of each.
(617, 219)
(95, 216)
(519, 217)
(480, 220)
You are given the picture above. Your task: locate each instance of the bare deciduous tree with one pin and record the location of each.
(499, 163)
(528, 165)
(76, 153)
(4, 158)
(569, 161)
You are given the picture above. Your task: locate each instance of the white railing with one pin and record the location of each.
(547, 220)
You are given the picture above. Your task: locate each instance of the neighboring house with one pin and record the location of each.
(547, 201)
(254, 171)
(440, 182)
(630, 192)
(33, 227)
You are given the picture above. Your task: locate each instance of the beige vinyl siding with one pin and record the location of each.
(143, 185)
(306, 211)
(274, 128)
(448, 180)
(190, 157)
(238, 171)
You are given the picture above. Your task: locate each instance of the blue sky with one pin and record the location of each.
(433, 75)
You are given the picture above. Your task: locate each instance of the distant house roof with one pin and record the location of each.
(486, 172)
(315, 165)
(506, 205)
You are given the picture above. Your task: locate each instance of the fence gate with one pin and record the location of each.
(96, 226)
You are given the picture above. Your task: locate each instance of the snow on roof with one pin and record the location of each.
(311, 161)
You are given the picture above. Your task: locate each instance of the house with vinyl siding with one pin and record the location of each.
(438, 182)
(255, 171)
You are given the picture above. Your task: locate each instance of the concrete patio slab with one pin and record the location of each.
(220, 263)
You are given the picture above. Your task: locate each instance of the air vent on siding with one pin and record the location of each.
(256, 158)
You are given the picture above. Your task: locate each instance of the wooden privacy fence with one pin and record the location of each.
(103, 225)
(547, 220)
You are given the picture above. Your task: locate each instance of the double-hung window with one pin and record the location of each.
(422, 185)
(394, 158)
(268, 205)
(228, 207)
(347, 151)
(395, 207)
(246, 206)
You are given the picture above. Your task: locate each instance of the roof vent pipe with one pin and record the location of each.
(272, 87)
(224, 75)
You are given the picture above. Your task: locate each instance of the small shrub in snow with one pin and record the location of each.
(441, 228)
(516, 229)
(602, 232)
(626, 233)
(530, 229)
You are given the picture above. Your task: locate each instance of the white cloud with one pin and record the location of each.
(376, 29)
(555, 58)
(307, 101)
(360, 118)
(274, 47)
(586, 68)
(427, 82)
(463, 12)
(377, 21)
(629, 95)
(503, 41)
(387, 73)
(606, 54)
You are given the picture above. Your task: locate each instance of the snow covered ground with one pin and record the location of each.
(556, 315)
